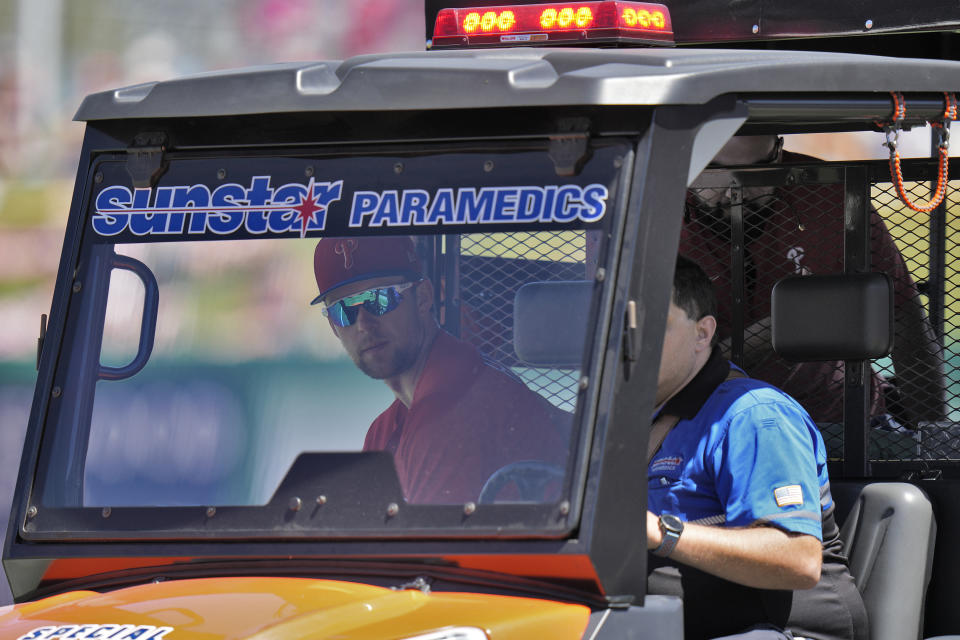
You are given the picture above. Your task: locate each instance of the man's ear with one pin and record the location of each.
(706, 327)
(333, 327)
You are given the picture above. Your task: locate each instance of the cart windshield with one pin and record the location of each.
(330, 343)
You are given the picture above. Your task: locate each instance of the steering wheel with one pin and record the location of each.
(531, 477)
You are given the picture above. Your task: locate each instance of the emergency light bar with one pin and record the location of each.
(604, 21)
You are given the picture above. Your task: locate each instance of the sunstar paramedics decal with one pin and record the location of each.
(294, 208)
(98, 632)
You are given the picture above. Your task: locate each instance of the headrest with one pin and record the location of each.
(832, 317)
(550, 322)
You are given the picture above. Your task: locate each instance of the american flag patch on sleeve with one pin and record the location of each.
(789, 495)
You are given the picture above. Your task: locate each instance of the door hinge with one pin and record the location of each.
(630, 339)
(569, 147)
(145, 159)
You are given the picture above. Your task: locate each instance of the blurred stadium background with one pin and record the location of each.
(54, 52)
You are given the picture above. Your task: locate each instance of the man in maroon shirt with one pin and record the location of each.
(457, 418)
(799, 230)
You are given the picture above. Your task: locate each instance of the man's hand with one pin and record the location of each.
(764, 557)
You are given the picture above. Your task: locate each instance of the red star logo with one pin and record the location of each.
(307, 209)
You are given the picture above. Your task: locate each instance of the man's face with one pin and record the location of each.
(686, 345)
(388, 345)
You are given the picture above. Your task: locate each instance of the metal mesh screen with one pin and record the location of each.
(779, 223)
(923, 367)
(492, 267)
(793, 223)
(774, 238)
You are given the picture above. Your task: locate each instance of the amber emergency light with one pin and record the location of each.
(605, 21)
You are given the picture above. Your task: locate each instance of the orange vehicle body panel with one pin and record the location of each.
(284, 608)
(567, 566)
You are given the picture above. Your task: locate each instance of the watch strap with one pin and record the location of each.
(666, 546)
(669, 541)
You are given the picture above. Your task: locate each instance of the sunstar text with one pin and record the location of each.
(195, 209)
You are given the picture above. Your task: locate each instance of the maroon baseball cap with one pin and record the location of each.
(340, 261)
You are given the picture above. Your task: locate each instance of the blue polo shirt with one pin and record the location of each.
(743, 453)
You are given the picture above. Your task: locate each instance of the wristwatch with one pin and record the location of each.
(671, 526)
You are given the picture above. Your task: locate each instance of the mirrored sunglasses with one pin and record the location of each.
(377, 301)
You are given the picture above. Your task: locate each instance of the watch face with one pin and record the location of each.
(671, 522)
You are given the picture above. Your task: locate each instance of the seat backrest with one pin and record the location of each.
(844, 316)
(889, 535)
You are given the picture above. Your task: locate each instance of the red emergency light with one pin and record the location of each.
(603, 21)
